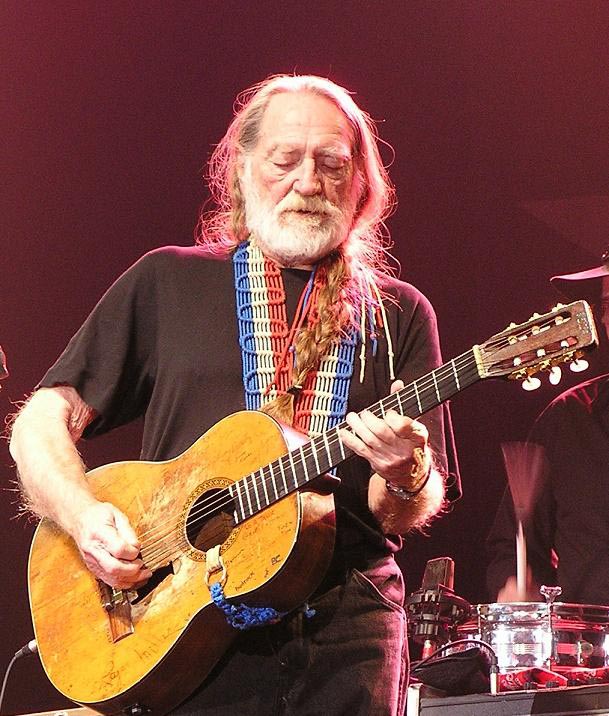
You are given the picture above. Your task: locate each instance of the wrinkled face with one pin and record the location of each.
(299, 183)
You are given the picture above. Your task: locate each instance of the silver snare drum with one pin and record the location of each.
(525, 634)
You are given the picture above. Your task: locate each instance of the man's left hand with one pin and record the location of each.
(387, 443)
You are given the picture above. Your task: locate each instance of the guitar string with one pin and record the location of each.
(422, 386)
(165, 549)
(203, 512)
(218, 500)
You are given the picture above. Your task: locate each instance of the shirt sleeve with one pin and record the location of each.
(417, 353)
(110, 360)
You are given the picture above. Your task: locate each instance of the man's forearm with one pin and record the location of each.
(49, 465)
(398, 516)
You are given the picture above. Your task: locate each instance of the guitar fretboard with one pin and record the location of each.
(270, 483)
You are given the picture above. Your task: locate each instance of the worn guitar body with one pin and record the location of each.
(152, 651)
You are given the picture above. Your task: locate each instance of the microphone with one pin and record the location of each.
(439, 572)
(434, 610)
(30, 648)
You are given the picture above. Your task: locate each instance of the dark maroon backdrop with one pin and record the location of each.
(497, 112)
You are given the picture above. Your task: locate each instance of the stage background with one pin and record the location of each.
(497, 114)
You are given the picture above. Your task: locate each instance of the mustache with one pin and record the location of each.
(313, 204)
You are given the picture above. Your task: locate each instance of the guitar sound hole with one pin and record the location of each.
(210, 520)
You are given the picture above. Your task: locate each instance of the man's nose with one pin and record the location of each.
(307, 182)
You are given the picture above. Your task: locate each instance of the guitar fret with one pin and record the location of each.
(263, 480)
(340, 445)
(247, 494)
(255, 483)
(399, 399)
(307, 467)
(435, 383)
(241, 500)
(237, 486)
(327, 446)
(314, 451)
(382, 408)
(274, 481)
(452, 362)
(304, 462)
(285, 484)
(416, 392)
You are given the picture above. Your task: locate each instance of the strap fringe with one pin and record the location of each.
(240, 616)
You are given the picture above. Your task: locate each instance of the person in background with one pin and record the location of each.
(567, 534)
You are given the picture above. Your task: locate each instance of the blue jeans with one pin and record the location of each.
(349, 658)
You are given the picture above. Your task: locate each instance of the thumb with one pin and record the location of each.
(124, 528)
(397, 385)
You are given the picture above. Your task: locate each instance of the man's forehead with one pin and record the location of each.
(285, 144)
(296, 117)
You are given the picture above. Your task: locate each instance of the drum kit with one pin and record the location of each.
(554, 636)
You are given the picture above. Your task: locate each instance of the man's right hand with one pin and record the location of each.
(109, 546)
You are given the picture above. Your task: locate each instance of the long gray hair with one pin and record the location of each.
(222, 228)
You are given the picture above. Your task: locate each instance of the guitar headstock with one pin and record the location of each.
(541, 343)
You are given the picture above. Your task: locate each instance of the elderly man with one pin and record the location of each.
(567, 534)
(287, 306)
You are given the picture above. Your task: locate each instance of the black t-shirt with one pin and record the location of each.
(162, 343)
(571, 513)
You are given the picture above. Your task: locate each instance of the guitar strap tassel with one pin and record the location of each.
(240, 616)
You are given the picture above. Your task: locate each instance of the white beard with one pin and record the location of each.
(286, 233)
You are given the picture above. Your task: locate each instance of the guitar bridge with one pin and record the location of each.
(118, 608)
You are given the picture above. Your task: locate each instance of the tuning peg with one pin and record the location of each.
(555, 375)
(534, 317)
(531, 383)
(578, 365)
(512, 339)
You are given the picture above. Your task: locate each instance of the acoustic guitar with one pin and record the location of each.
(238, 494)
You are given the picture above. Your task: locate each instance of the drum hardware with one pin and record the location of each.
(550, 594)
(550, 635)
(433, 615)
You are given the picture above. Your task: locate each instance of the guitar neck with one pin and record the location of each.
(297, 468)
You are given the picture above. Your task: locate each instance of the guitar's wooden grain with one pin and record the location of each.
(275, 559)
